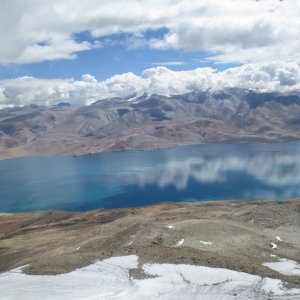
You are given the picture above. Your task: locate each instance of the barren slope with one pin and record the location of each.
(149, 122)
(231, 234)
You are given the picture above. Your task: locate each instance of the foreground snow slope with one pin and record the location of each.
(110, 279)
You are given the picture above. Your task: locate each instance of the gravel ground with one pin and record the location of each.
(238, 235)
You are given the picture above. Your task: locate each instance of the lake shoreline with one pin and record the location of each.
(206, 202)
(26, 155)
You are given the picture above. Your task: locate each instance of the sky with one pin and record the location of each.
(82, 51)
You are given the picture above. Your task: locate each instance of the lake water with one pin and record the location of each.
(135, 178)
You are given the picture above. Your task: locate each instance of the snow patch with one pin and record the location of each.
(275, 287)
(126, 262)
(110, 279)
(231, 285)
(137, 96)
(179, 243)
(205, 243)
(285, 266)
(279, 239)
(199, 275)
(274, 246)
(77, 248)
(170, 226)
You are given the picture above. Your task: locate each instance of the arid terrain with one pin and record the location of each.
(149, 122)
(238, 235)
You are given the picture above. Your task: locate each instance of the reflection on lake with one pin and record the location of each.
(133, 178)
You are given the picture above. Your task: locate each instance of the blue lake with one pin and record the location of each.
(135, 178)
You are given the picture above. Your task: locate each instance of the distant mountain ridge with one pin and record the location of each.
(143, 121)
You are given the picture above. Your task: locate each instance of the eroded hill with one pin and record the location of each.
(149, 122)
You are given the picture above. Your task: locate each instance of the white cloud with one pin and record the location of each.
(169, 63)
(230, 30)
(88, 78)
(275, 76)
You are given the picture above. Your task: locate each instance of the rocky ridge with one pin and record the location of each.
(150, 121)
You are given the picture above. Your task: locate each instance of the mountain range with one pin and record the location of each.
(143, 121)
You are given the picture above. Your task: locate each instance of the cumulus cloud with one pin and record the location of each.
(266, 77)
(229, 30)
(88, 78)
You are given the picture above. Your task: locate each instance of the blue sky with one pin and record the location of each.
(113, 58)
(106, 62)
(215, 44)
